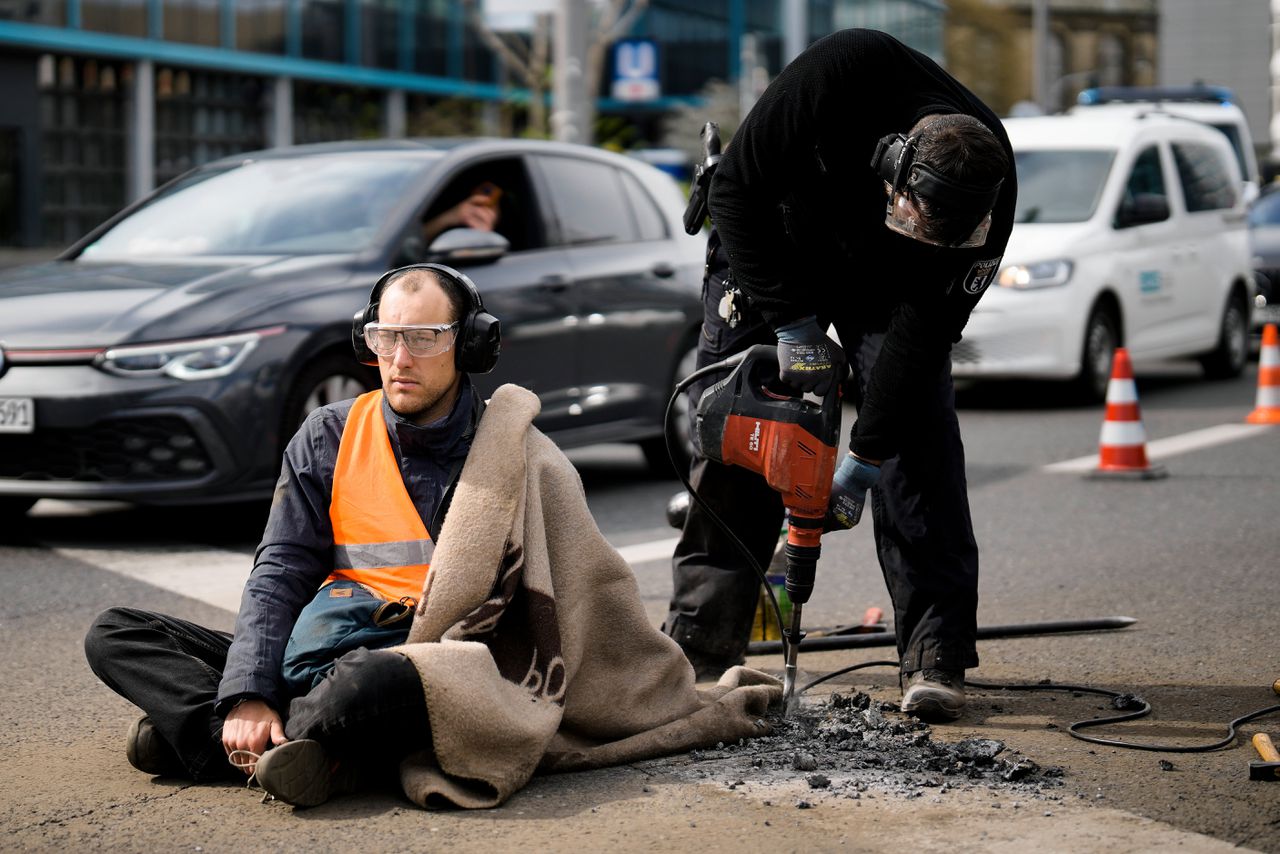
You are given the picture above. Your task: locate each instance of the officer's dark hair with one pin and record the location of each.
(963, 149)
(412, 280)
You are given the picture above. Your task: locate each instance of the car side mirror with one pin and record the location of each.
(1144, 208)
(459, 247)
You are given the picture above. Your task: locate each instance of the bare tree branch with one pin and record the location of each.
(612, 26)
(521, 65)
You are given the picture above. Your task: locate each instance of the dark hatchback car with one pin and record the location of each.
(170, 354)
(1264, 243)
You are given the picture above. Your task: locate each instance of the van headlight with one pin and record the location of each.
(193, 359)
(1042, 274)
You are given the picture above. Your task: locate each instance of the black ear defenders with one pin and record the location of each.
(479, 338)
(895, 162)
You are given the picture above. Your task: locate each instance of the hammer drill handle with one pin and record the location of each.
(1267, 750)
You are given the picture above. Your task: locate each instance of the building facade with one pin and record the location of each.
(990, 47)
(104, 100)
(1222, 44)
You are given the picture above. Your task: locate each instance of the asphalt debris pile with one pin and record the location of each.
(851, 745)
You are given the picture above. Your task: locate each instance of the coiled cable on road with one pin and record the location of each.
(1132, 706)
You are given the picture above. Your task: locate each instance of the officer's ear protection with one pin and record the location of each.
(478, 340)
(895, 162)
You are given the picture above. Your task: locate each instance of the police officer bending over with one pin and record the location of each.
(870, 190)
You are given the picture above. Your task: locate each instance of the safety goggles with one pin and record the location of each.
(419, 339)
(902, 215)
(895, 162)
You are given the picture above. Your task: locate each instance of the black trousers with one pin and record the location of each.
(919, 510)
(370, 708)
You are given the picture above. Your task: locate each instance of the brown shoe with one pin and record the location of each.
(303, 773)
(147, 751)
(933, 695)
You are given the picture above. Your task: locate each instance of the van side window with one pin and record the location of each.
(1146, 177)
(1145, 198)
(1206, 182)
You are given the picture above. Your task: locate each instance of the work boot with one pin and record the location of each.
(303, 773)
(147, 750)
(933, 695)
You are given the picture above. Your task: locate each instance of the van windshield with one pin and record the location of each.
(1060, 185)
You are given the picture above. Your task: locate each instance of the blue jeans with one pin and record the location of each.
(369, 708)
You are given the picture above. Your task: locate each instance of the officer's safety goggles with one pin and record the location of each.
(419, 339)
(902, 216)
(895, 162)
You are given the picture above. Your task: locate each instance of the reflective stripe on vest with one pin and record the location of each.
(379, 539)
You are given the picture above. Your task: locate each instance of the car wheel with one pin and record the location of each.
(13, 506)
(1227, 360)
(328, 379)
(655, 449)
(1101, 337)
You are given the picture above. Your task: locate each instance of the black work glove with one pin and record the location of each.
(849, 492)
(807, 359)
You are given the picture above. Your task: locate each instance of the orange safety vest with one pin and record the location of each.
(379, 539)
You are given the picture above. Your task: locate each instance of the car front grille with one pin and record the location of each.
(122, 450)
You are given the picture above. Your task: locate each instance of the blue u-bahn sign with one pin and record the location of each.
(635, 70)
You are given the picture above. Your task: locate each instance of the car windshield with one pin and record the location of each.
(1060, 185)
(300, 206)
(1266, 210)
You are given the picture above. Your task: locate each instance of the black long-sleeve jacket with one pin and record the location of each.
(801, 213)
(296, 553)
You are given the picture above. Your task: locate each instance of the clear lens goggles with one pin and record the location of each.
(420, 340)
(902, 216)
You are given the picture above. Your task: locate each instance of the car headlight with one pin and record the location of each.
(1043, 274)
(193, 359)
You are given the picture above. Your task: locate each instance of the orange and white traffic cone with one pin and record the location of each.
(1122, 447)
(1267, 409)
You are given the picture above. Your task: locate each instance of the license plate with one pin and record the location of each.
(17, 415)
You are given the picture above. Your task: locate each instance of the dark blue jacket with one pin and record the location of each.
(296, 554)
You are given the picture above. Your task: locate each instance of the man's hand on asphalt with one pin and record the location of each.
(807, 359)
(849, 488)
(252, 726)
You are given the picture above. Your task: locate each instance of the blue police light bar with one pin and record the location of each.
(1132, 94)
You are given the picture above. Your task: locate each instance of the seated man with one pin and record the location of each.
(359, 507)
(479, 211)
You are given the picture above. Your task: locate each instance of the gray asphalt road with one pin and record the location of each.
(1192, 557)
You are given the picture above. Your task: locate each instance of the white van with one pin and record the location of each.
(1213, 105)
(1130, 231)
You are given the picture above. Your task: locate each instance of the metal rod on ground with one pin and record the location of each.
(1052, 627)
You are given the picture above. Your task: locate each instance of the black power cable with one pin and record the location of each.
(1133, 706)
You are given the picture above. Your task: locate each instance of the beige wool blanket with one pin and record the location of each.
(533, 646)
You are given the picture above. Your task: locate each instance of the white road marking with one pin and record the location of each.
(213, 576)
(216, 576)
(644, 552)
(1174, 445)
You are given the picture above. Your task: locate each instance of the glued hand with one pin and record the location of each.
(252, 726)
